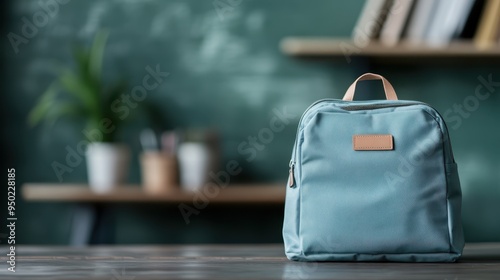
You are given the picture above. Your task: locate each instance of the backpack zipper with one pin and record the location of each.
(377, 106)
(291, 180)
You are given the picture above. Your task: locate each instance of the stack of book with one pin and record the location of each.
(429, 22)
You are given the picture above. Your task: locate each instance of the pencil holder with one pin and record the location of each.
(159, 172)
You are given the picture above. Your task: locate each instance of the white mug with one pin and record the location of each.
(194, 161)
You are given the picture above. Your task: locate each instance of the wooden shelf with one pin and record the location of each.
(336, 47)
(248, 194)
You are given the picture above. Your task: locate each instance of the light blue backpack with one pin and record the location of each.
(372, 181)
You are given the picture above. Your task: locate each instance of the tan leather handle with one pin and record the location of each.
(390, 93)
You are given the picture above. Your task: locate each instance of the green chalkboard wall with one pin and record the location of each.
(226, 72)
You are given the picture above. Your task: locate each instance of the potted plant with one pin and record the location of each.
(79, 92)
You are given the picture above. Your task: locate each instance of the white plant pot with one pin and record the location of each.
(107, 166)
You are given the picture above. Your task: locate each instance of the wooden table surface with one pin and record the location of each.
(480, 261)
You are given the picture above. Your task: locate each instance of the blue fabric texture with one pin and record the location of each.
(394, 205)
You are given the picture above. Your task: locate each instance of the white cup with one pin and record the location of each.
(194, 162)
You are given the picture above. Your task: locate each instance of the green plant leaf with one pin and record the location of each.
(83, 91)
(96, 55)
(81, 57)
(84, 87)
(46, 100)
(64, 109)
(112, 95)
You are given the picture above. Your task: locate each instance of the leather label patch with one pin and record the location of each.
(372, 142)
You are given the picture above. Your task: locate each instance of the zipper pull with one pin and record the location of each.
(291, 180)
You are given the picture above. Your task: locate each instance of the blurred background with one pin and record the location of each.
(219, 73)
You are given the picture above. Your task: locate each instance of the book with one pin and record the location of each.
(371, 20)
(419, 21)
(396, 20)
(447, 21)
(462, 15)
(487, 31)
(472, 21)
